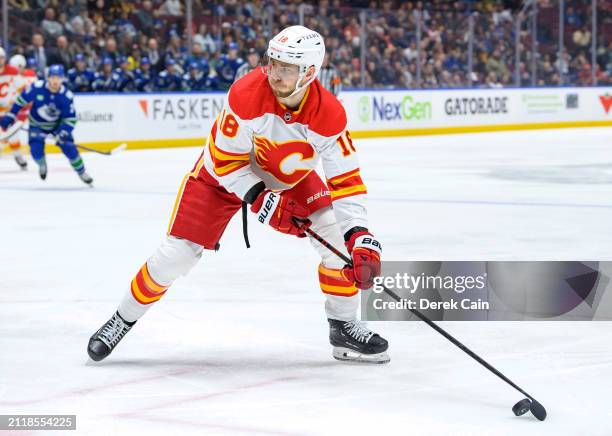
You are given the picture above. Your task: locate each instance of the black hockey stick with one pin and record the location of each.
(519, 408)
(110, 152)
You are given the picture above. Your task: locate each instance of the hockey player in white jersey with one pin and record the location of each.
(276, 126)
(22, 80)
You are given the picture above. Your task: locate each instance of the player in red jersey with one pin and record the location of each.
(24, 78)
(8, 93)
(277, 125)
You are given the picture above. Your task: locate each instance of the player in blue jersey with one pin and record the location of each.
(80, 78)
(169, 79)
(125, 78)
(144, 77)
(106, 80)
(195, 79)
(52, 114)
(227, 66)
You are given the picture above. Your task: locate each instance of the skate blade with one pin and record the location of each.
(348, 355)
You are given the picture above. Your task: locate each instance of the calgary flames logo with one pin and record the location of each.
(283, 160)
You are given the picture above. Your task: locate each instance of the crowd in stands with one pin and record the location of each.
(117, 45)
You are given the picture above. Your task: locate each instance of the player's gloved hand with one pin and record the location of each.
(365, 252)
(7, 121)
(63, 135)
(277, 210)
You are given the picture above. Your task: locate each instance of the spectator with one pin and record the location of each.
(38, 52)
(152, 52)
(71, 8)
(176, 51)
(82, 25)
(61, 54)
(572, 17)
(110, 50)
(50, 26)
(205, 39)
(582, 37)
(146, 17)
(171, 7)
(22, 7)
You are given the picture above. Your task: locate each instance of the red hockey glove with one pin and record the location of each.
(365, 252)
(277, 209)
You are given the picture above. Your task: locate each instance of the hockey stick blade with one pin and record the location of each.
(118, 149)
(111, 152)
(536, 408)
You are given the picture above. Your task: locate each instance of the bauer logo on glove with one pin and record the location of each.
(271, 203)
(365, 253)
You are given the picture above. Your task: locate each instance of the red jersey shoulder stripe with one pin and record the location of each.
(251, 97)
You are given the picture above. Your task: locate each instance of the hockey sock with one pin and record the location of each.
(15, 148)
(78, 165)
(342, 296)
(334, 283)
(143, 292)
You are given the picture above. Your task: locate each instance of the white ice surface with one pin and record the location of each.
(240, 345)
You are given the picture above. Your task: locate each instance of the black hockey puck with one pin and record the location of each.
(522, 407)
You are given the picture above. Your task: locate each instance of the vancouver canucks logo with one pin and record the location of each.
(48, 112)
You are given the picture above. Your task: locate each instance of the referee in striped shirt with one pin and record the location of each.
(329, 78)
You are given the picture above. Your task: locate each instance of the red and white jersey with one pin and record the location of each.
(7, 87)
(21, 82)
(256, 138)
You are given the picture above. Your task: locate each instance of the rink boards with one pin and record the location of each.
(184, 119)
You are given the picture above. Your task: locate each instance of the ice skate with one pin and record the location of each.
(23, 164)
(86, 178)
(104, 341)
(354, 342)
(42, 170)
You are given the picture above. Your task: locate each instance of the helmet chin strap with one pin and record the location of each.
(299, 88)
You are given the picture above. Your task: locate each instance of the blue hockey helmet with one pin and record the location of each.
(170, 61)
(79, 57)
(194, 65)
(56, 70)
(123, 60)
(107, 61)
(233, 46)
(145, 61)
(32, 63)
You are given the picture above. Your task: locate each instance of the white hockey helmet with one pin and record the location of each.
(17, 61)
(298, 45)
(2, 53)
